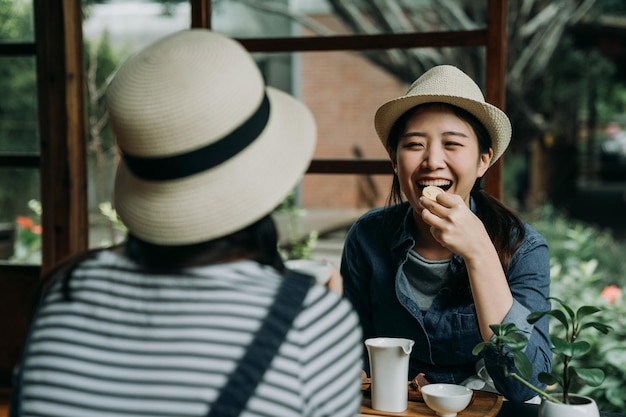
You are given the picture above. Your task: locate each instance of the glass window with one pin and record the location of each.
(18, 107)
(20, 215)
(132, 25)
(112, 31)
(16, 21)
(322, 18)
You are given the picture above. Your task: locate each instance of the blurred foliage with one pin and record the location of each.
(567, 83)
(16, 20)
(101, 63)
(588, 267)
(569, 238)
(297, 245)
(27, 248)
(609, 7)
(515, 179)
(19, 114)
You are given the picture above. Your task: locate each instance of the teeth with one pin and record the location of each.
(436, 183)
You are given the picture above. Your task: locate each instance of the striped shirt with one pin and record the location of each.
(132, 343)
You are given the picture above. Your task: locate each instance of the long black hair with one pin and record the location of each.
(258, 242)
(504, 226)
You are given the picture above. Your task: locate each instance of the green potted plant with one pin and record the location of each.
(566, 347)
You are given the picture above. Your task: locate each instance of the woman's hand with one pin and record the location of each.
(454, 226)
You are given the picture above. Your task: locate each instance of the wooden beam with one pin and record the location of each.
(350, 166)
(366, 42)
(17, 49)
(19, 160)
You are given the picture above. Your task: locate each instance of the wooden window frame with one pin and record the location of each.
(58, 48)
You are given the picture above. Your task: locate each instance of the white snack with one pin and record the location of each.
(431, 192)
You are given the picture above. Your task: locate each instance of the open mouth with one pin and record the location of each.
(444, 185)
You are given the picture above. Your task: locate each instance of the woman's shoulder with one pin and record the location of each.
(533, 236)
(532, 240)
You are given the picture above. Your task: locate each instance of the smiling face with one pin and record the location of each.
(437, 147)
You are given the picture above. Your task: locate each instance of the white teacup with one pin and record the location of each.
(319, 269)
(446, 400)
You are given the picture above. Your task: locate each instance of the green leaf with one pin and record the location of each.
(506, 328)
(569, 311)
(601, 327)
(590, 376)
(580, 348)
(549, 379)
(560, 316)
(534, 317)
(479, 347)
(585, 311)
(570, 349)
(495, 328)
(514, 341)
(523, 365)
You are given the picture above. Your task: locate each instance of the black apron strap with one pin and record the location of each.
(251, 368)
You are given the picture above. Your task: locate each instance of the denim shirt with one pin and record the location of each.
(444, 335)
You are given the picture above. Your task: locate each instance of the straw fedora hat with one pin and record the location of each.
(207, 149)
(447, 84)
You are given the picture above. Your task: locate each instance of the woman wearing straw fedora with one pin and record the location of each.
(194, 314)
(440, 271)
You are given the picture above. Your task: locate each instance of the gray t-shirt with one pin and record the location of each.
(426, 277)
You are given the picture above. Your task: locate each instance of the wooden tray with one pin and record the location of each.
(483, 404)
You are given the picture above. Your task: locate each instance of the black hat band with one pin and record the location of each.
(199, 160)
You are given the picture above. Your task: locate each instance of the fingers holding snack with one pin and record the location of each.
(431, 192)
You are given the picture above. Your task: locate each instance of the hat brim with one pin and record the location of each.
(495, 120)
(228, 197)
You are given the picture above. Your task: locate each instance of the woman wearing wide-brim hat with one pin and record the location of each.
(195, 314)
(440, 271)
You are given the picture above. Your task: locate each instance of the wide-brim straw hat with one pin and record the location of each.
(204, 153)
(447, 84)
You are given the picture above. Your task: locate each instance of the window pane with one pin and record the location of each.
(18, 107)
(20, 215)
(113, 31)
(284, 18)
(16, 21)
(132, 25)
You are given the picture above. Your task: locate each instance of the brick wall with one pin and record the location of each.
(343, 90)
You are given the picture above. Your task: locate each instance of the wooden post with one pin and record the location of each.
(62, 121)
(496, 78)
(201, 14)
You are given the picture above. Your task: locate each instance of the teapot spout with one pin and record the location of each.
(407, 346)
